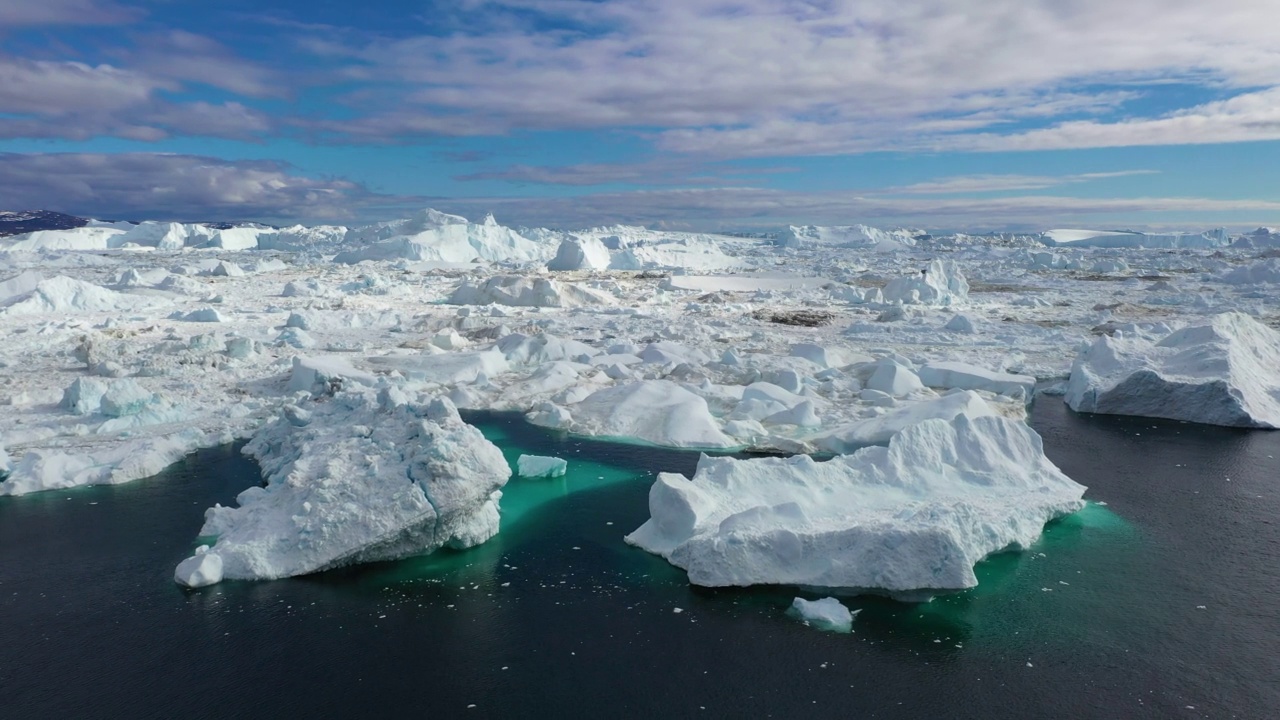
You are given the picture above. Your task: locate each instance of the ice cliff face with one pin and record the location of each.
(1226, 372)
(913, 516)
(358, 478)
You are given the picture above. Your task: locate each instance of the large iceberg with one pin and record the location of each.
(914, 516)
(355, 479)
(1224, 373)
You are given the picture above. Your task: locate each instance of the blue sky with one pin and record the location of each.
(955, 114)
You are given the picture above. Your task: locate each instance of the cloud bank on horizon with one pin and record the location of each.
(704, 112)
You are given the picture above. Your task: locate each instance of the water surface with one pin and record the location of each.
(1161, 603)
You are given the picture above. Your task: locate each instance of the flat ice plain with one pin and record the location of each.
(342, 352)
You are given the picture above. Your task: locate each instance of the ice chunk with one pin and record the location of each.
(825, 614)
(1226, 372)
(941, 283)
(126, 397)
(62, 294)
(893, 379)
(913, 516)
(84, 396)
(364, 480)
(310, 373)
(436, 236)
(200, 570)
(205, 314)
(961, 323)
(580, 253)
(537, 466)
(655, 411)
(950, 375)
(860, 433)
(1264, 271)
(527, 292)
(39, 470)
(448, 368)
(19, 285)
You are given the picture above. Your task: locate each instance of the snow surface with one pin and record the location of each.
(916, 515)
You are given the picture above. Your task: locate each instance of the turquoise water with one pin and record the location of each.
(1161, 603)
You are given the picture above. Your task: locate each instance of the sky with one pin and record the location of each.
(704, 114)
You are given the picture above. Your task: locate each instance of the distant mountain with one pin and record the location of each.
(17, 223)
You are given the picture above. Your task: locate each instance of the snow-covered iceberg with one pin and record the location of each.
(1226, 372)
(358, 478)
(913, 516)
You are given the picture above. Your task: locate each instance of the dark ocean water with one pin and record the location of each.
(1164, 602)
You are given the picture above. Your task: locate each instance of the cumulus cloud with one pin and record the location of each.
(770, 77)
(179, 187)
(73, 100)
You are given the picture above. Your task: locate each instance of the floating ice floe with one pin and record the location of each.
(1226, 372)
(825, 614)
(356, 479)
(912, 517)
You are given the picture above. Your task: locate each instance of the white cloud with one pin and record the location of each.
(179, 187)
(1246, 117)
(773, 77)
(1003, 183)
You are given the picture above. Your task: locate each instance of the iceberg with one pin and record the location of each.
(911, 517)
(1224, 373)
(357, 479)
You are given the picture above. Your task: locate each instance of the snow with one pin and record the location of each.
(361, 477)
(825, 614)
(538, 466)
(914, 516)
(1225, 372)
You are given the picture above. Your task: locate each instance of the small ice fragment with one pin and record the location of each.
(537, 466)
